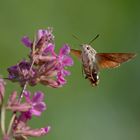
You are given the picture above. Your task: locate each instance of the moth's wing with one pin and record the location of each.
(77, 53)
(112, 60)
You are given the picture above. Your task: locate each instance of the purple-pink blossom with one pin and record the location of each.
(38, 106)
(33, 105)
(26, 131)
(43, 37)
(43, 66)
(49, 67)
(63, 60)
(36, 132)
(26, 41)
(21, 72)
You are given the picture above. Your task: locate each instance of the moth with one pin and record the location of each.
(92, 61)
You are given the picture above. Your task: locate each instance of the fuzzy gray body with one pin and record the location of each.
(90, 65)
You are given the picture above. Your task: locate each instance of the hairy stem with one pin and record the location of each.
(2, 115)
(3, 119)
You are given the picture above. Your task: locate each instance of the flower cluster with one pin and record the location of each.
(43, 66)
(33, 106)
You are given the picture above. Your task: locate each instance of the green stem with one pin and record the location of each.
(3, 119)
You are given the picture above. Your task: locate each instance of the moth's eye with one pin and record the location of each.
(87, 48)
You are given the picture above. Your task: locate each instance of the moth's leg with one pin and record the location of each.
(83, 72)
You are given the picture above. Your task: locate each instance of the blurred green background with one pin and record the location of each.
(78, 111)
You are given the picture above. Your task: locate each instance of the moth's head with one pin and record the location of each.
(87, 48)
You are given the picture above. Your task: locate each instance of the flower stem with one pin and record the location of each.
(2, 115)
(11, 123)
(23, 90)
(3, 119)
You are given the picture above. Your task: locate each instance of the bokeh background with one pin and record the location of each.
(78, 111)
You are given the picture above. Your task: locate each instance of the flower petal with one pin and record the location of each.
(27, 95)
(35, 112)
(38, 109)
(36, 132)
(60, 78)
(24, 107)
(26, 41)
(40, 106)
(66, 73)
(25, 116)
(12, 98)
(67, 61)
(50, 49)
(38, 97)
(41, 33)
(64, 50)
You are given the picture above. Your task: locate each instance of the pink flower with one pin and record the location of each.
(28, 132)
(27, 42)
(24, 131)
(32, 106)
(38, 106)
(46, 34)
(21, 72)
(14, 105)
(48, 68)
(20, 128)
(64, 60)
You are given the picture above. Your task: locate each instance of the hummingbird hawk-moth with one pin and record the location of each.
(92, 61)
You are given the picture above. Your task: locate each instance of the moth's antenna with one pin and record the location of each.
(77, 38)
(93, 39)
